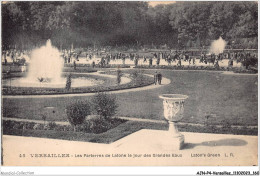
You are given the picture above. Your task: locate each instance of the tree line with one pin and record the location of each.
(97, 23)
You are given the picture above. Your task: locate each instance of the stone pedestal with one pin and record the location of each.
(173, 111)
(173, 139)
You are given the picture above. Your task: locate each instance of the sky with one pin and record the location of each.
(154, 3)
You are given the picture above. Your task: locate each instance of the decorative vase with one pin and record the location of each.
(173, 105)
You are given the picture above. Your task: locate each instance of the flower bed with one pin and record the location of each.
(79, 69)
(116, 132)
(97, 65)
(96, 126)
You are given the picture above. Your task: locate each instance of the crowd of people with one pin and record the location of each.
(172, 57)
(15, 56)
(105, 57)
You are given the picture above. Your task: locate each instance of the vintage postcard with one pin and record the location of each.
(130, 83)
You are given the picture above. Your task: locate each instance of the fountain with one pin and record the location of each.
(173, 111)
(46, 65)
(217, 46)
(45, 71)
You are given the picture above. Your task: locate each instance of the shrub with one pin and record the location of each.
(67, 128)
(77, 112)
(119, 75)
(44, 118)
(226, 124)
(99, 125)
(29, 125)
(135, 74)
(251, 61)
(138, 77)
(37, 126)
(104, 104)
(68, 82)
(18, 125)
(45, 127)
(8, 124)
(51, 125)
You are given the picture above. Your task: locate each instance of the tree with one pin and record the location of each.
(77, 112)
(190, 19)
(160, 28)
(247, 22)
(104, 104)
(123, 23)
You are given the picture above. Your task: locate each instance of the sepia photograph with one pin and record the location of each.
(130, 83)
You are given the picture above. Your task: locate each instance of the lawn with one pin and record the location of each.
(214, 98)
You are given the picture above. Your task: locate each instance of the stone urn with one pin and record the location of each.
(173, 105)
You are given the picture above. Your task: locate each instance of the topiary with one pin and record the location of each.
(68, 82)
(104, 104)
(77, 112)
(119, 75)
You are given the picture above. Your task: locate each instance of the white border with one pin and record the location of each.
(87, 170)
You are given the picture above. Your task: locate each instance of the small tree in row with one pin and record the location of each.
(77, 113)
(119, 74)
(68, 82)
(104, 104)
